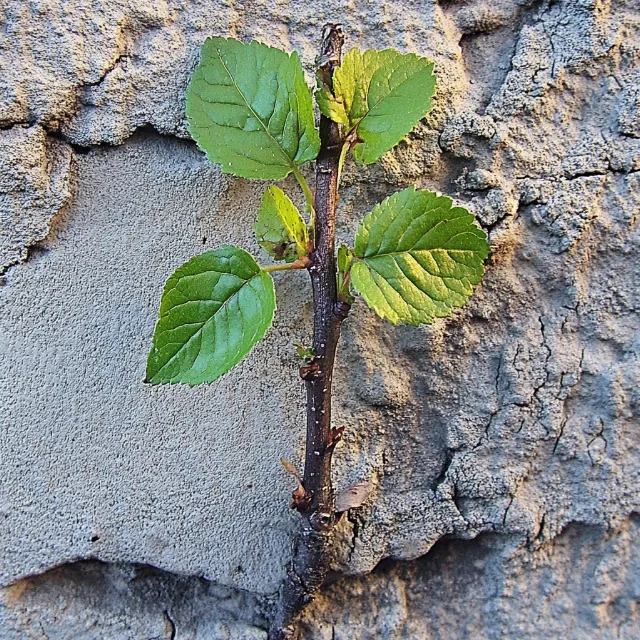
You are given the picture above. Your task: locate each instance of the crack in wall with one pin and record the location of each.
(173, 629)
(152, 601)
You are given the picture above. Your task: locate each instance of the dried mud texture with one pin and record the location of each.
(507, 435)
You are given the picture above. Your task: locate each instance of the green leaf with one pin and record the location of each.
(419, 257)
(249, 108)
(305, 353)
(384, 94)
(214, 308)
(332, 106)
(345, 260)
(342, 159)
(280, 229)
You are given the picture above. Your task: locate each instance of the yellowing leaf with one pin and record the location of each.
(280, 229)
(419, 257)
(249, 108)
(383, 94)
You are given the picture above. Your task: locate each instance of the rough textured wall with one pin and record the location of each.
(506, 436)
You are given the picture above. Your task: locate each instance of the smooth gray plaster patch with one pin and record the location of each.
(98, 464)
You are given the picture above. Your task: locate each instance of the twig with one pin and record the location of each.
(313, 544)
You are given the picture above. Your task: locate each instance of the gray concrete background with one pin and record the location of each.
(506, 436)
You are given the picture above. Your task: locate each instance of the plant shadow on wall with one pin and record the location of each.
(415, 257)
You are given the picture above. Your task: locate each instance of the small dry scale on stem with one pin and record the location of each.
(415, 257)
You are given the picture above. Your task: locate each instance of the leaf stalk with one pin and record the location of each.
(306, 189)
(300, 263)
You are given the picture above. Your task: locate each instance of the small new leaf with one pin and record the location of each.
(380, 96)
(304, 353)
(419, 257)
(214, 309)
(249, 108)
(345, 260)
(280, 229)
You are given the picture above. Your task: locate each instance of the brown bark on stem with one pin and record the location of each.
(313, 544)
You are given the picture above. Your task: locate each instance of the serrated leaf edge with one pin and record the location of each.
(352, 133)
(255, 338)
(361, 262)
(293, 166)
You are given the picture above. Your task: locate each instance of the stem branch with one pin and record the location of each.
(314, 541)
(300, 263)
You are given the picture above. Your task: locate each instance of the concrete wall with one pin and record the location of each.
(502, 443)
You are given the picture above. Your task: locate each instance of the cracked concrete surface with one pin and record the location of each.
(506, 436)
(581, 584)
(34, 187)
